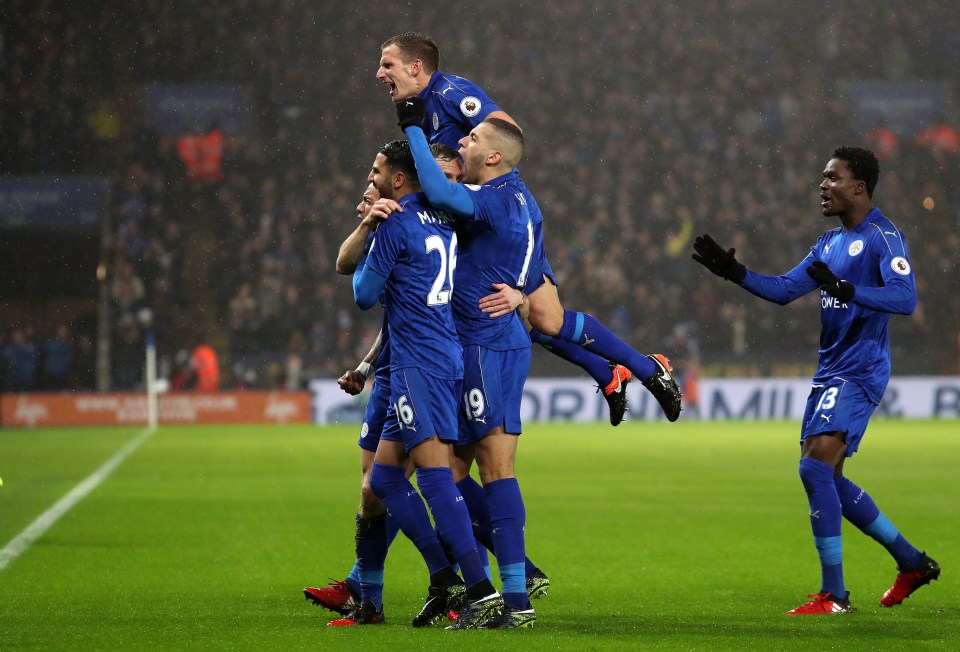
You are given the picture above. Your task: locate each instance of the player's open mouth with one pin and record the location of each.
(824, 200)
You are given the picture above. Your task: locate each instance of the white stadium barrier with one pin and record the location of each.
(576, 399)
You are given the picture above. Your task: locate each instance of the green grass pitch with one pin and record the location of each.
(689, 536)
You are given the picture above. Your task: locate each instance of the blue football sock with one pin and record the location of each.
(859, 509)
(453, 521)
(476, 499)
(508, 517)
(371, 554)
(476, 502)
(390, 484)
(353, 577)
(593, 364)
(583, 329)
(825, 517)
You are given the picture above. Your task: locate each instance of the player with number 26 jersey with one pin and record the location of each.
(416, 249)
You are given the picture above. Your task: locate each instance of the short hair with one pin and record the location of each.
(444, 152)
(510, 133)
(416, 45)
(863, 165)
(400, 159)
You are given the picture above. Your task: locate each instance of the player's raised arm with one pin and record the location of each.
(441, 193)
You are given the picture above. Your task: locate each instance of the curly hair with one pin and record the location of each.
(863, 165)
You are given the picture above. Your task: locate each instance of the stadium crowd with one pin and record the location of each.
(646, 125)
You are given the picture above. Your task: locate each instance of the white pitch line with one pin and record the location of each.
(19, 544)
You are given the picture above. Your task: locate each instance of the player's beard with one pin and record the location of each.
(386, 192)
(471, 169)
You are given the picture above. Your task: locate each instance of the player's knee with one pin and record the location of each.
(546, 320)
(813, 471)
(546, 312)
(386, 480)
(369, 502)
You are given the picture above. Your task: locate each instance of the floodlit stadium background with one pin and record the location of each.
(646, 123)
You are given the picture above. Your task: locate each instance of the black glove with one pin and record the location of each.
(719, 261)
(829, 283)
(410, 112)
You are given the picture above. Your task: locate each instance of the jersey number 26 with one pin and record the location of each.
(448, 262)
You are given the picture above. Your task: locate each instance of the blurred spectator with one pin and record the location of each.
(20, 359)
(84, 365)
(206, 368)
(58, 360)
(128, 351)
(202, 155)
(684, 118)
(882, 140)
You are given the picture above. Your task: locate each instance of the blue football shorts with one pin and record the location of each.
(421, 406)
(492, 391)
(376, 412)
(838, 406)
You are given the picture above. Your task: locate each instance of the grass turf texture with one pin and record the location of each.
(676, 536)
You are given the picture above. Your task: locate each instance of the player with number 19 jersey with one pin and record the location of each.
(854, 344)
(496, 245)
(416, 251)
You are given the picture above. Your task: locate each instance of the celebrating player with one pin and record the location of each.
(862, 269)
(452, 106)
(343, 596)
(497, 243)
(411, 263)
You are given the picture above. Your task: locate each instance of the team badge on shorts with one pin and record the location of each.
(855, 247)
(470, 106)
(900, 265)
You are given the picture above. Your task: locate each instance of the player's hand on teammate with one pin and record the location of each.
(829, 282)
(718, 260)
(380, 210)
(505, 300)
(410, 112)
(352, 382)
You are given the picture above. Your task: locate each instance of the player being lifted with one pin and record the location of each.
(452, 106)
(862, 270)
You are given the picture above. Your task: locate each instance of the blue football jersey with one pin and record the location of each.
(854, 345)
(416, 251)
(454, 106)
(496, 245)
